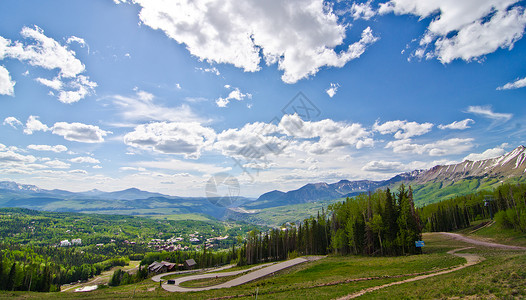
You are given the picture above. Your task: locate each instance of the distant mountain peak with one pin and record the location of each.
(13, 186)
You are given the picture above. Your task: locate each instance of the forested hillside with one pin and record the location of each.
(39, 251)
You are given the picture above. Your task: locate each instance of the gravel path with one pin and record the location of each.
(471, 259)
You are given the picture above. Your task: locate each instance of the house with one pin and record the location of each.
(77, 242)
(161, 267)
(190, 263)
(65, 243)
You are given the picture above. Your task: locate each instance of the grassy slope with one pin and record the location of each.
(298, 282)
(436, 191)
(501, 275)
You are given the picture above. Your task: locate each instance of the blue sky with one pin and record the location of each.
(162, 95)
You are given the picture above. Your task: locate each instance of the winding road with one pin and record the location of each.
(257, 272)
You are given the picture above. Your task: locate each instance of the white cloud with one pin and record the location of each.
(490, 153)
(55, 83)
(517, 84)
(12, 121)
(458, 125)
(331, 134)
(80, 41)
(253, 140)
(299, 35)
(79, 132)
(77, 171)
(57, 164)
(236, 94)
(56, 148)
(212, 70)
(172, 138)
(403, 129)
(142, 107)
(383, 166)
(78, 89)
(487, 112)
(85, 160)
(362, 11)
(140, 169)
(261, 141)
(393, 167)
(9, 156)
(438, 148)
(182, 165)
(49, 54)
(465, 29)
(7, 85)
(332, 90)
(33, 124)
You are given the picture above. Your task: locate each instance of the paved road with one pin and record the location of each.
(466, 239)
(157, 278)
(260, 271)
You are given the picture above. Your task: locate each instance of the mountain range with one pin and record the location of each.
(502, 168)
(437, 183)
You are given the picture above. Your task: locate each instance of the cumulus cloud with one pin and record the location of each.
(300, 36)
(33, 124)
(57, 164)
(458, 125)
(9, 156)
(79, 132)
(85, 159)
(362, 11)
(56, 148)
(7, 85)
(402, 129)
(464, 30)
(49, 54)
(330, 134)
(332, 90)
(235, 94)
(490, 153)
(517, 84)
(487, 112)
(12, 121)
(253, 140)
(187, 139)
(438, 148)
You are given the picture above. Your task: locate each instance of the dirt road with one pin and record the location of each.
(466, 239)
(471, 259)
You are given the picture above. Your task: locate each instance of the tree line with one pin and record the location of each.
(507, 203)
(380, 223)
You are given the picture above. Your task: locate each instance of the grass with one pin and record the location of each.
(501, 275)
(495, 234)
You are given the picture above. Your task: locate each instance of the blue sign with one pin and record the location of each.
(419, 244)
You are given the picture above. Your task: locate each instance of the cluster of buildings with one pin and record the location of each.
(164, 266)
(67, 243)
